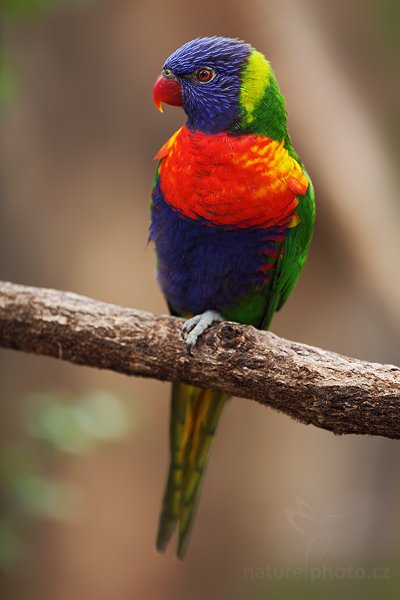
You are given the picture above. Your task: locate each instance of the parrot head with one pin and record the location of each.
(223, 84)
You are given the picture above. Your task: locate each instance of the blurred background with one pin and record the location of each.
(83, 452)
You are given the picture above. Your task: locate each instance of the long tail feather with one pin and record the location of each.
(194, 418)
(179, 433)
(208, 411)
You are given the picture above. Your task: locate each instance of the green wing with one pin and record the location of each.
(258, 306)
(293, 255)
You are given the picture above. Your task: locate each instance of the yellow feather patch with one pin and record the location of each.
(164, 151)
(255, 80)
(294, 221)
(276, 166)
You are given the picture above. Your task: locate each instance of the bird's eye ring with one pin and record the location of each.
(167, 73)
(204, 74)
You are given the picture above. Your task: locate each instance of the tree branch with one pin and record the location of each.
(315, 386)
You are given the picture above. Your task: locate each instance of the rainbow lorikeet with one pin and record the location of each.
(232, 216)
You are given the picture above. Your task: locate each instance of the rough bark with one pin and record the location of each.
(341, 394)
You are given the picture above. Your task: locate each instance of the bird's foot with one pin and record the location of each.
(193, 328)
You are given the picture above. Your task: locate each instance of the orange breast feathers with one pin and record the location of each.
(239, 181)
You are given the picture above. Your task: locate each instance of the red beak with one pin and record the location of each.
(168, 91)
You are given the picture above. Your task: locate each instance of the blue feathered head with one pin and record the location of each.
(204, 76)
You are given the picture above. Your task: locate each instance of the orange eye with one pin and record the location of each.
(205, 74)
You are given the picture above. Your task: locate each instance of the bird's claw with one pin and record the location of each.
(194, 327)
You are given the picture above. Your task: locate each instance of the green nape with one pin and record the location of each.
(262, 105)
